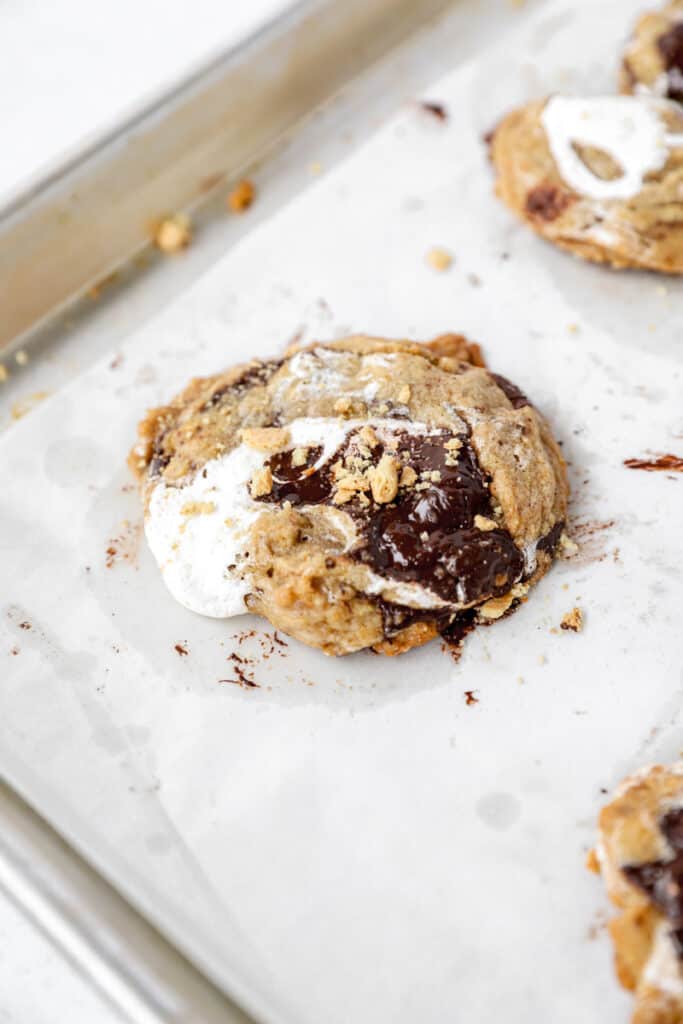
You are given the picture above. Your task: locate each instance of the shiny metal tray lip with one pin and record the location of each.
(92, 212)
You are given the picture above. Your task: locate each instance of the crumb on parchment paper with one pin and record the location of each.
(573, 621)
(25, 405)
(439, 258)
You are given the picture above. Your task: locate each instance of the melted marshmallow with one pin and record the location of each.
(199, 532)
(629, 128)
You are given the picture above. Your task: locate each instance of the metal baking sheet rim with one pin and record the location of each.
(102, 206)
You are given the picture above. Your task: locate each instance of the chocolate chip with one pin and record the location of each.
(670, 46)
(547, 202)
(662, 880)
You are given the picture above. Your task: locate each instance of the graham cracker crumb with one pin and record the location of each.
(343, 406)
(384, 480)
(408, 477)
(21, 357)
(573, 620)
(242, 196)
(453, 444)
(440, 259)
(300, 456)
(198, 508)
(592, 862)
(369, 437)
(174, 233)
(404, 394)
(261, 482)
(496, 606)
(265, 439)
(568, 547)
(484, 524)
(3, 373)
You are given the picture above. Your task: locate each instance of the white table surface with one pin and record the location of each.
(67, 74)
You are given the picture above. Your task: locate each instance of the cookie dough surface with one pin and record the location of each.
(363, 493)
(601, 177)
(640, 854)
(653, 58)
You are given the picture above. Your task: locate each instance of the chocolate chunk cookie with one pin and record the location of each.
(602, 178)
(653, 58)
(640, 854)
(363, 493)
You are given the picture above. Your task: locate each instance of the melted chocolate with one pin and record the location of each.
(662, 880)
(516, 397)
(547, 202)
(299, 485)
(396, 617)
(425, 535)
(429, 536)
(551, 540)
(670, 46)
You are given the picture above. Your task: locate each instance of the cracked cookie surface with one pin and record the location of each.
(640, 855)
(601, 178)
(362, 493)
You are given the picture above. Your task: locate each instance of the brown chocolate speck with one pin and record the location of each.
(116, 362)
(25, 625)
(124, 546)
(243, 676)
(14, 651)
(657, 464)
(547, 202)
(181, 649)
(437, 110)
(470, 698)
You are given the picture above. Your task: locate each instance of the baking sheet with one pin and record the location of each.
(351, 840)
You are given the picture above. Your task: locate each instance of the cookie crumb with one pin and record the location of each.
(299, 457)
(592, 862)
(408, 477)
(384, 480)
(484, 524)
(343, 406)
(242, 196)
(369, 437)
(265, 439)
(404, 394)
(198, 508)
(440, 259)
(261, 482)
(21, 357)
(174, 233)
(496, 607)
(573, 620)
(568, 547)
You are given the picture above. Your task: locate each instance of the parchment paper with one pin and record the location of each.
(352, 840)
